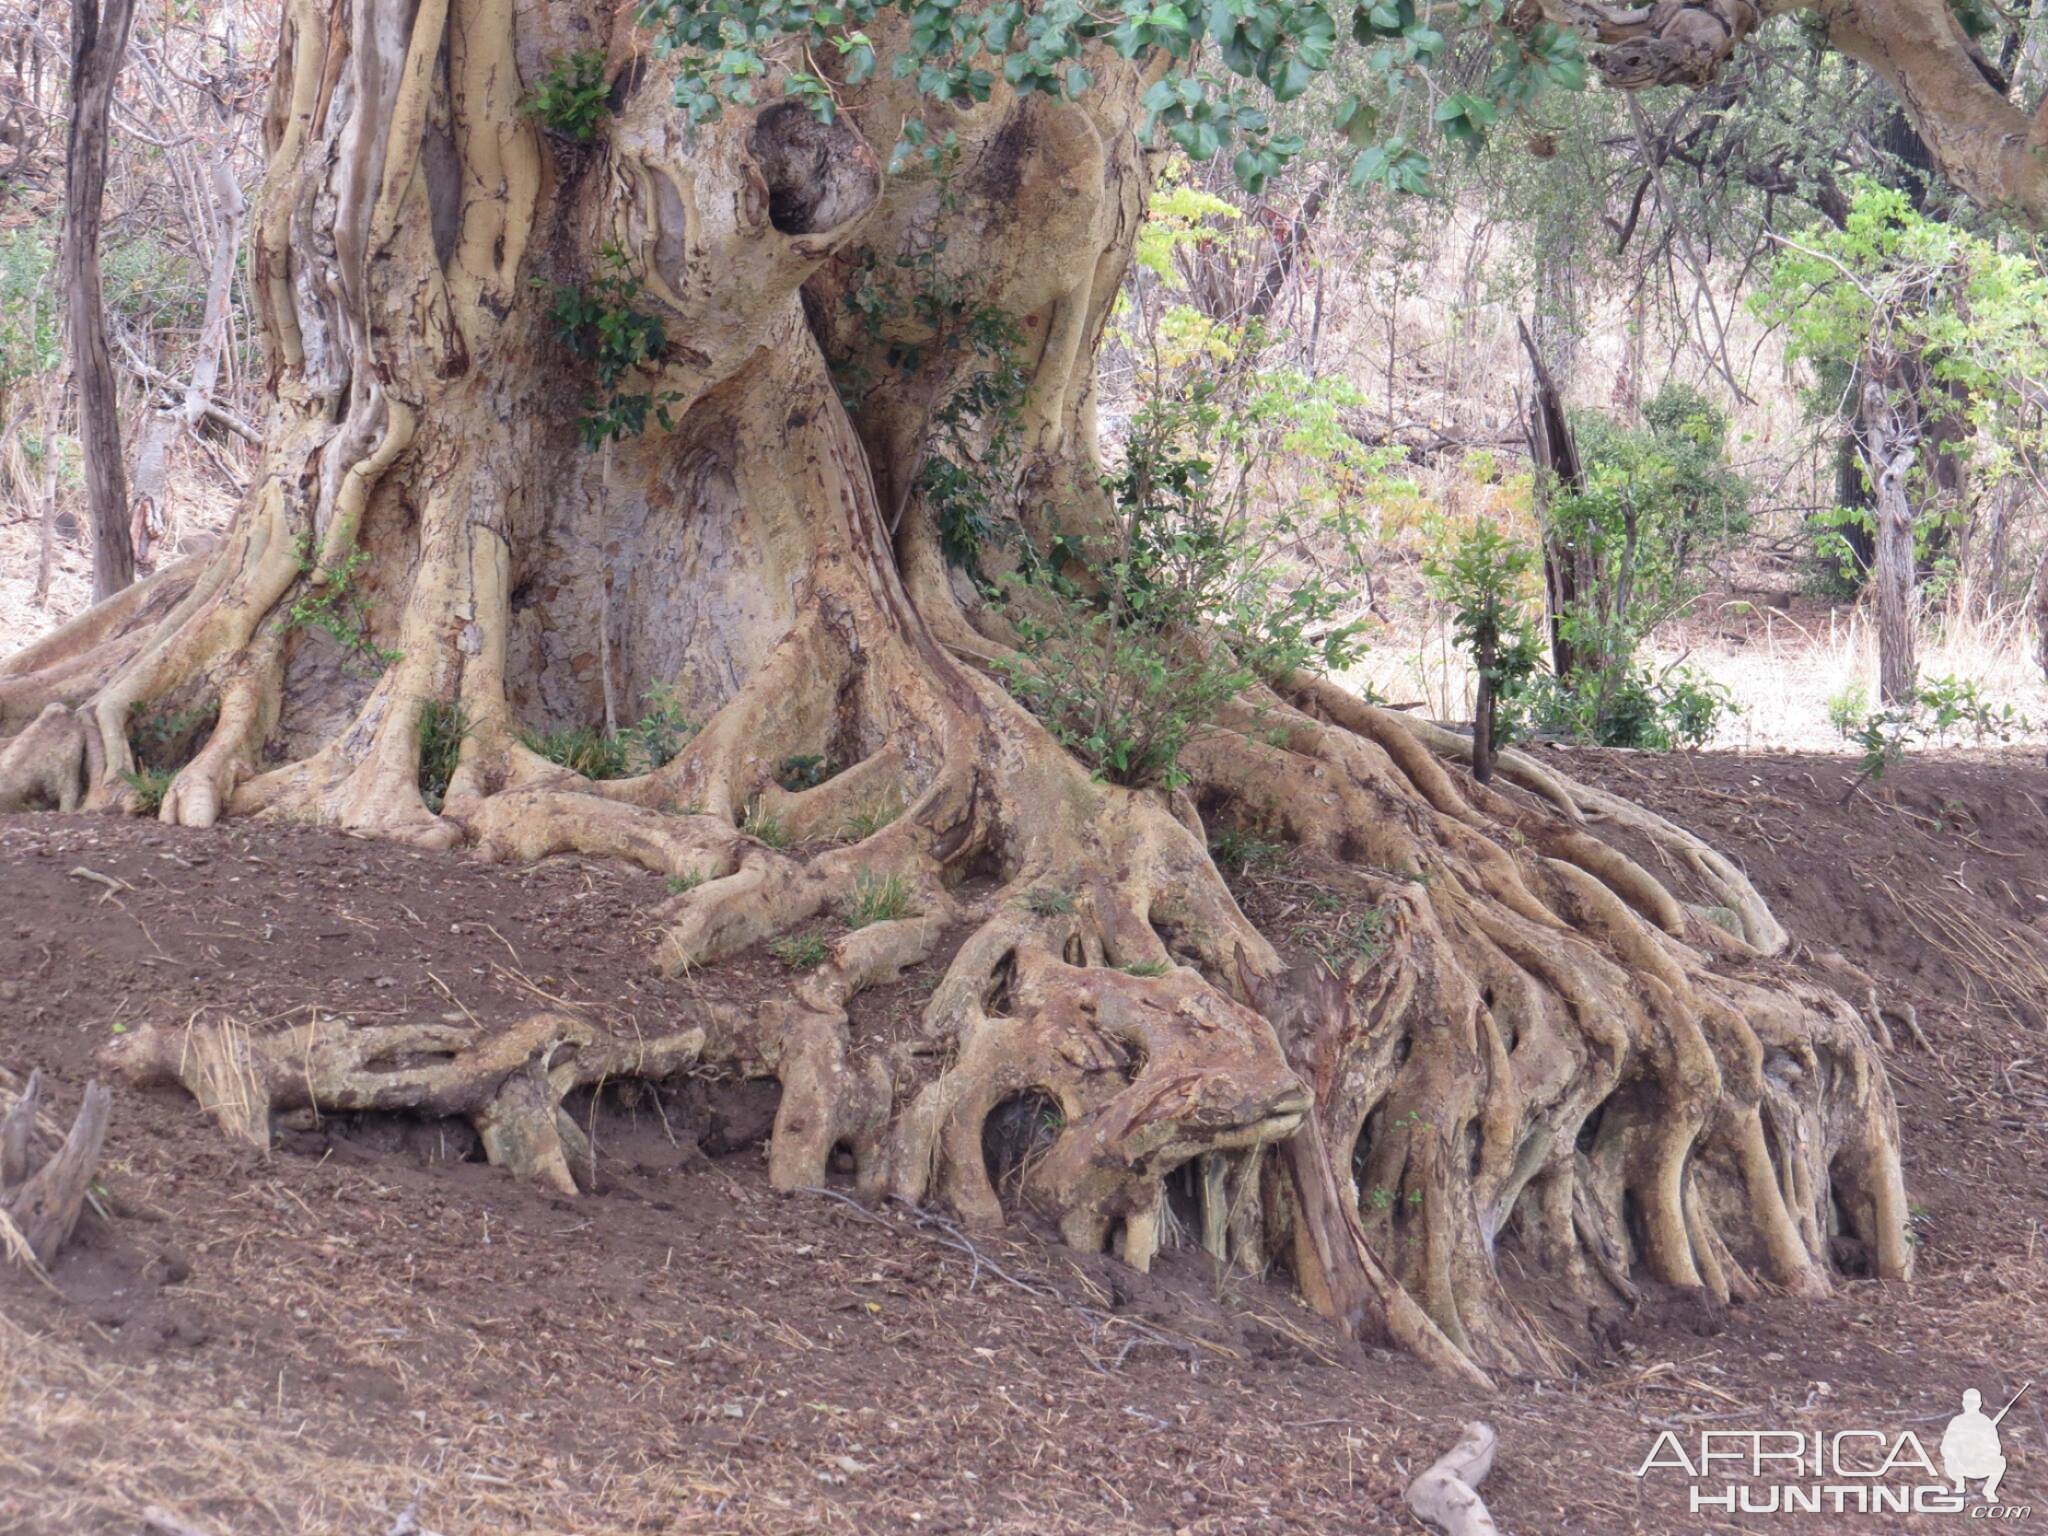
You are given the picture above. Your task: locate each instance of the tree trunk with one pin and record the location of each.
(2041, 615)
(1545, 1050)
(99, 38)
(1888, 449)
(152, 457)
(1552, 446)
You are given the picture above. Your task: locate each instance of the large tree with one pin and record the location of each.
(1546, 1050)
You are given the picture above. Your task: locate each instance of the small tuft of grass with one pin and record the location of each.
(764, 826)
(442, 729)
(799, 951)
(877, 899)
(862, 825)
(1146, 968)
(1049, 901)
(680, 884)
(581, 750)
(1241, 851)
(150, 786)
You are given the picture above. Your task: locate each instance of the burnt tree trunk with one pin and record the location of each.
(99, 39)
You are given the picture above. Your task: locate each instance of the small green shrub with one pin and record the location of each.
(1242, 851)
(601, 325)
(442, 728)
(1133, 643)
(167, 738)
(1147, 968)
(572, 97)
(1046, 901)
(681, 884)
(1848, 709)
(150, 786)
(335, 605)
(1484, 576)
(662, 730)
(877, 899)
(582, 750)
(804, 772)
(1938, 706)
(800, 951)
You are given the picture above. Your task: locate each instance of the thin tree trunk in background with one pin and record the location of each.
(99, 38)
(1482, 719)
(1552, 447)
(2041, 615)
(1888, 452)
(46, 557)
(152, 457)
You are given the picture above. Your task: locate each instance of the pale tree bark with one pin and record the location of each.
(1548, 1052)
(195, 401)
(1889, 449)
(99, 38)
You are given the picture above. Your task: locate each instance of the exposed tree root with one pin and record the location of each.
(42, 1194)
(1447, 1492)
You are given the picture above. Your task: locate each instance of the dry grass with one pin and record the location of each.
(1783, 673)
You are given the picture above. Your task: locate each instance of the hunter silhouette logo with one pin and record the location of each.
(1859, 1470)
(1970, 1446)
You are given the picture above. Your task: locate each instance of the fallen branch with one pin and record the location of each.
(1447, 1495)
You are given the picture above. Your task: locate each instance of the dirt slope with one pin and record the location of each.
(369, 1320)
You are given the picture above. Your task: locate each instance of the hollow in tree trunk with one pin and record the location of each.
(1543, 1051)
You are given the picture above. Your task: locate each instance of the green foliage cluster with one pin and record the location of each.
(1136, 638)
(1223, 61)
(650, 742)
(1243, 851)
(1956, 322)
(163, 741)
(31, 305)
(1939, 706)
(442, 729)
(602, 325)
(1134, 641)
(581, 749)
(804, 770)
(967, 475)
(337, 607)
(764, 826)
(800, 951)
(572, 97)
(865, 823)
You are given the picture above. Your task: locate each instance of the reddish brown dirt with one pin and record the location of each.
(367, 1320)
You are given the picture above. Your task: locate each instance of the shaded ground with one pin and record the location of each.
(312, 1342)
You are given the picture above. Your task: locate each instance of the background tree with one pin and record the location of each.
(99, 41)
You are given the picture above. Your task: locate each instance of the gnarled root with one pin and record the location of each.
(1446, 1494)
(42, 1194)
